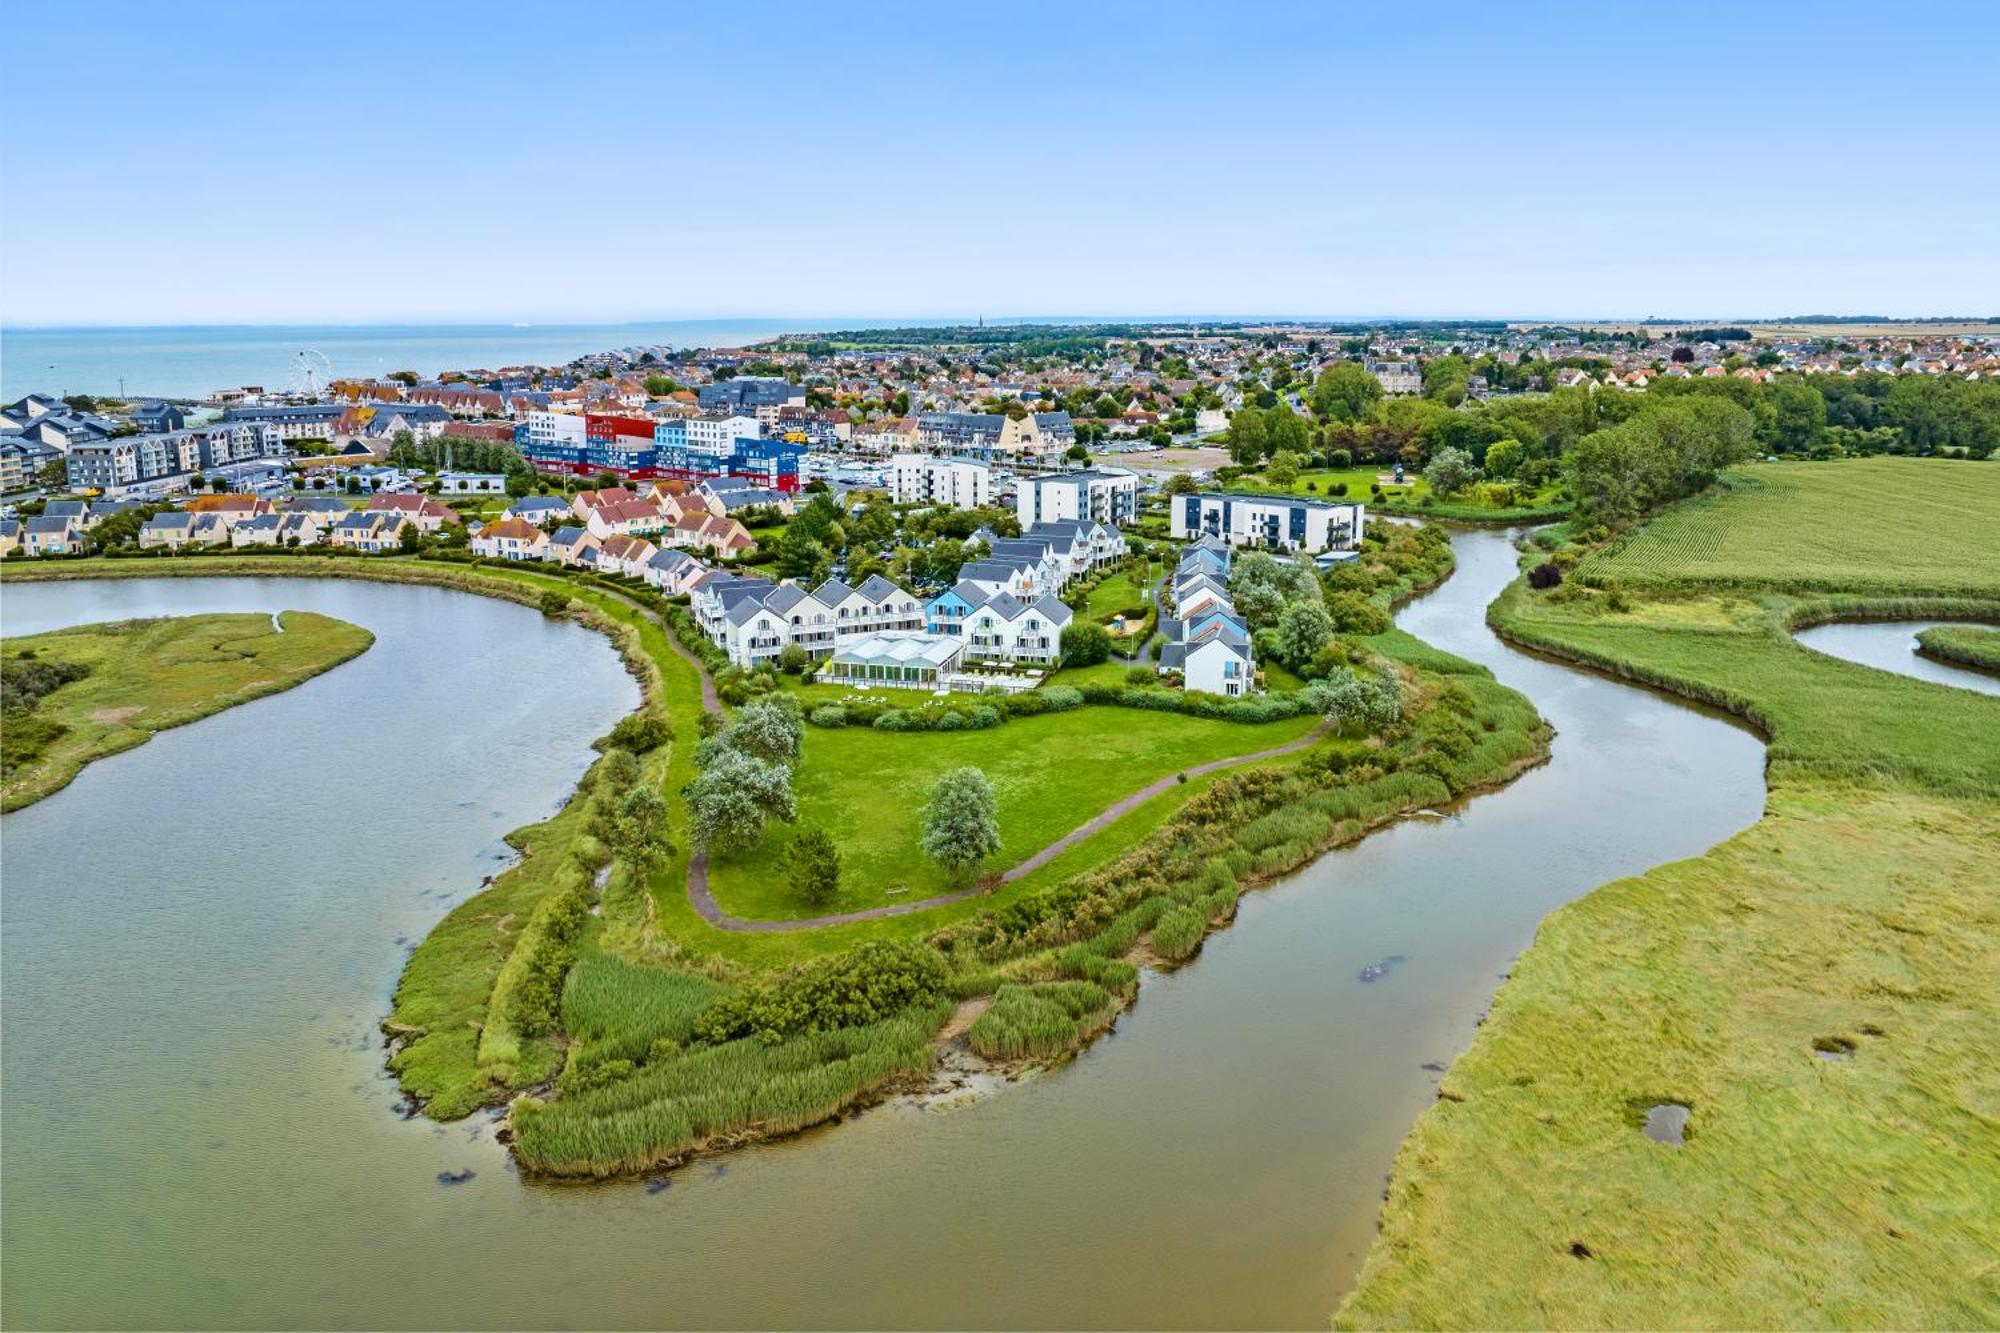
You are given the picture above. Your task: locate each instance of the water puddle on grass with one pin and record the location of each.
(1667, 1122)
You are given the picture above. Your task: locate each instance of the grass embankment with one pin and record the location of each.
(1816, 989)
(122, 682)
(1963, 645)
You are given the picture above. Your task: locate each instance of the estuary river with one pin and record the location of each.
(1892, 646)
(201, 934)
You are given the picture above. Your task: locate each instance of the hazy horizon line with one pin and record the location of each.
(814, 323)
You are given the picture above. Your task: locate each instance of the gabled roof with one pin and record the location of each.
(876, 588)
(627, 511)
(515, 529)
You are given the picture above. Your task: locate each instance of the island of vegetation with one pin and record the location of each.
(1963, 645)
(74, 695)
(771, 899)
(1811, 1002)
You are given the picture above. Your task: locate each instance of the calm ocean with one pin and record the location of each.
(193, 361)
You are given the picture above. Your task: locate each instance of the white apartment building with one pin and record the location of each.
(1105, 495)
(719, 434)
(1272, 522)
(924, 479)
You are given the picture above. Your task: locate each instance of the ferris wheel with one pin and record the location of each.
(311, 372)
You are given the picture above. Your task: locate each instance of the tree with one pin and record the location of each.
(812, 867)
(1450, 472)
(1445, 380)
(1257, 587)
(1247, 436)
(1085, 643)
(409, 539)
(1799, 416)
(1503, 458)
(1283, 469)
(639, 829)
(1303, 629)
(961, 826)
(1078, 454)
(731, 798)
(769, 728)
(1180, 484)
(1344, 391)
(1375, 702)
(1285, 432)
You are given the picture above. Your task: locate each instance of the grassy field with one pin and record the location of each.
(1412, 496)
(1887, 525)
(145, 676)
(1814, 989)
(1126, 590)
(1106, 754)
(1963, 645)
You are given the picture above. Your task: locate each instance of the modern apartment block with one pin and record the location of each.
(1103, 495)
(923, 479)
(1270, 521)
(130, 460)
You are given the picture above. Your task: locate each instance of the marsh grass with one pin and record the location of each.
(146, 676)
(1860, 918)
(1963, 645)
(739, 1089)
(613, 1009)
(1042, 1021)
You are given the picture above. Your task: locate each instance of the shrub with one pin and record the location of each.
(812, 867)
(983, 716)
(639, 733)
(554, 602)
(949, 721)
(893, 720)
(1085, 644)
(1140, 675)
(1062, 698)
(1545, 575)
(872, 983)
(829, 715)
(792, 659)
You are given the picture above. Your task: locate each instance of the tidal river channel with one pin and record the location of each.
(200, 936)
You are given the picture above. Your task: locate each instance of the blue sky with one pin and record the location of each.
(359, 162)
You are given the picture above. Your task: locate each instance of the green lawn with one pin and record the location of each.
(1051, 774)
(1121, 592)
(1885, 525)
(1413, 496)
(146, 676)
(1859, 918)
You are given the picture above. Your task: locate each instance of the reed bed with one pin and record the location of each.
(1042, 1021)
(740, 1088)
(617, 1010)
